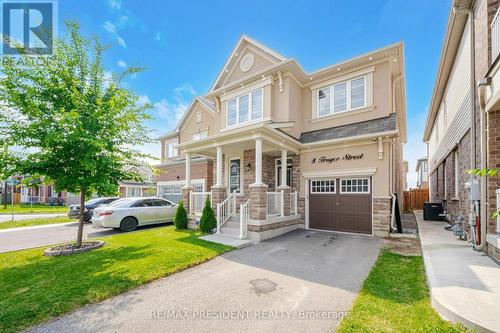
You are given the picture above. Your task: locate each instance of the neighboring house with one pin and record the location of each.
(422, 173)
(144, 188)
(462, 125)
(340, 131)
(405, 175)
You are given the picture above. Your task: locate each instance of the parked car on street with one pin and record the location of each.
(128, 213)
(74, 210)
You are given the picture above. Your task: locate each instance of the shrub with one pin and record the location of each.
(180, 218)
(208, 222)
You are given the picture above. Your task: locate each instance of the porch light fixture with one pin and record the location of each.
(177, 177)
(248, 166)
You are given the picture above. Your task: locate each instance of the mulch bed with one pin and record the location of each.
(72, 248)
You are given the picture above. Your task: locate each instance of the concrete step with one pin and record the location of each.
(235, 218)
(231, 224)
(226, 240)
(235, 232)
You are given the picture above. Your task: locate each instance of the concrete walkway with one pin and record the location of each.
(19, 217)
(464, 284)
(300, 282)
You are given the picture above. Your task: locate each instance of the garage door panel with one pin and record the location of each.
(321, 215)
(346, 212)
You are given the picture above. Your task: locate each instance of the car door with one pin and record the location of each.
(144, 211)
(163, 209)
(170, 210)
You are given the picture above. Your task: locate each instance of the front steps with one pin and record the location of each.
(229, 234)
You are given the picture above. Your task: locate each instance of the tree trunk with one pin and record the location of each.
(79, 235)
(5, 188)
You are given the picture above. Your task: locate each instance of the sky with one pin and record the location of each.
(183, 45)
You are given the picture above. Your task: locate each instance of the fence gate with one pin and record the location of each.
(415, 198)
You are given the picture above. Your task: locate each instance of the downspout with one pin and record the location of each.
(481, 87)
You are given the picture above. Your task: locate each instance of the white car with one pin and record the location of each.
(128, 213)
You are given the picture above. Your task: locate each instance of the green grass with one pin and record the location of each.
(35, 288)
(31, 222)
(28, 209)
(395, 298)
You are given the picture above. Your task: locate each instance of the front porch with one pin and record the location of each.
(255, 197)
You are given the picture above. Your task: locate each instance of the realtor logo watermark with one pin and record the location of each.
(28, 26)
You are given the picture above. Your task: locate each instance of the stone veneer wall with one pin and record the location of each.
(381, 220)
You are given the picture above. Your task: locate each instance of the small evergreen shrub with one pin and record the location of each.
(180, 218)
(208, 221)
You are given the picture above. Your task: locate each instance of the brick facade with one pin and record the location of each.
(381, 219)
(199, 170)
(258, 202)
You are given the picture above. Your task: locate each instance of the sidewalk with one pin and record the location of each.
(464, 284)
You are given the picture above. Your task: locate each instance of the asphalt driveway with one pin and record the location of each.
(301, 282)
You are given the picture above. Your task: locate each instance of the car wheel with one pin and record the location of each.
(128, 224)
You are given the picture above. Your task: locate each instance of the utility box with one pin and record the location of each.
(433, 211)
(474, 190)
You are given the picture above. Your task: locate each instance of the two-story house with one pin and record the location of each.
(462, 124)
(422, 173)
(278, 148)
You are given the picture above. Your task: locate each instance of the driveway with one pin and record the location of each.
(30, 237)
(19, 217)
(300, 282)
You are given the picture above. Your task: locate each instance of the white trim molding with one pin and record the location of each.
(339, 173)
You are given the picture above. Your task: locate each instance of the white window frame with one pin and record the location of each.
(348, 96)
(176, 186)
(203, 134)
(170, 150)
(356, 192)
(277, 171)
(240, 191)
(250, 107)
(324, 180)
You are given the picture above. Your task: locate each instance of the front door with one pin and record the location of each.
(341, 204)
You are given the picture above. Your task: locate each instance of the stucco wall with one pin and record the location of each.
(369, 160)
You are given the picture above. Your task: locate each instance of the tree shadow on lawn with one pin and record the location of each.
(47, 287)
(193, 238)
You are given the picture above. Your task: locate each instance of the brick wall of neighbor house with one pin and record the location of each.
(493, 162)
(437, 193)
(203, 170)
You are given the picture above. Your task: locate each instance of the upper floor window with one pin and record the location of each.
(245, 108)
(171, 150)
(200, 135)
(343, 96)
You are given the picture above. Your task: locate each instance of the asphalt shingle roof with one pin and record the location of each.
(366, 127)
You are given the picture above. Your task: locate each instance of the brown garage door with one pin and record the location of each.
(341, 204)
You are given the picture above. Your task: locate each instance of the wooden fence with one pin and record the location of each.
(415, 198)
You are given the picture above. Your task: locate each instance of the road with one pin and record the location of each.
(30, 237)
(18, 217)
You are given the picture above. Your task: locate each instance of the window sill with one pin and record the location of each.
(494, 240)
(343, 114)
(454, 199)
(247, 123)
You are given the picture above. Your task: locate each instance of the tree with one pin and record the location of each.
(8, 163)
(76, 123)
(180, 218)
(208, 222)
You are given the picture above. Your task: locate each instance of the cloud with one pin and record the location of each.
(113, 29)
(158, 36)
(115, 4)
(144, 99)
(172, 109)
(121, 64)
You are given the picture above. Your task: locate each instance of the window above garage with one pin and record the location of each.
(355, 185)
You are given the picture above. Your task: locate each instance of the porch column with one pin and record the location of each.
(219, 190)
(186, 190)
(258, 161)
(258, 190)
(283, 187)
(219, 181)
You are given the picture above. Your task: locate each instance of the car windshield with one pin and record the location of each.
(94, 201)
(121, 202)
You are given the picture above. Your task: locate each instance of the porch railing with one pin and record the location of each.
(197, 201)
(495, 37)
(274, 203)
(225, 210)
(293, 203)
(244, 217)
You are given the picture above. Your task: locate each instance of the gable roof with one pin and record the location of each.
(237, 53)
(454, 31)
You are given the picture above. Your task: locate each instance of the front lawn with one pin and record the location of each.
(35, 288)
(395, 298)
(32, 222)
(35, 209)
